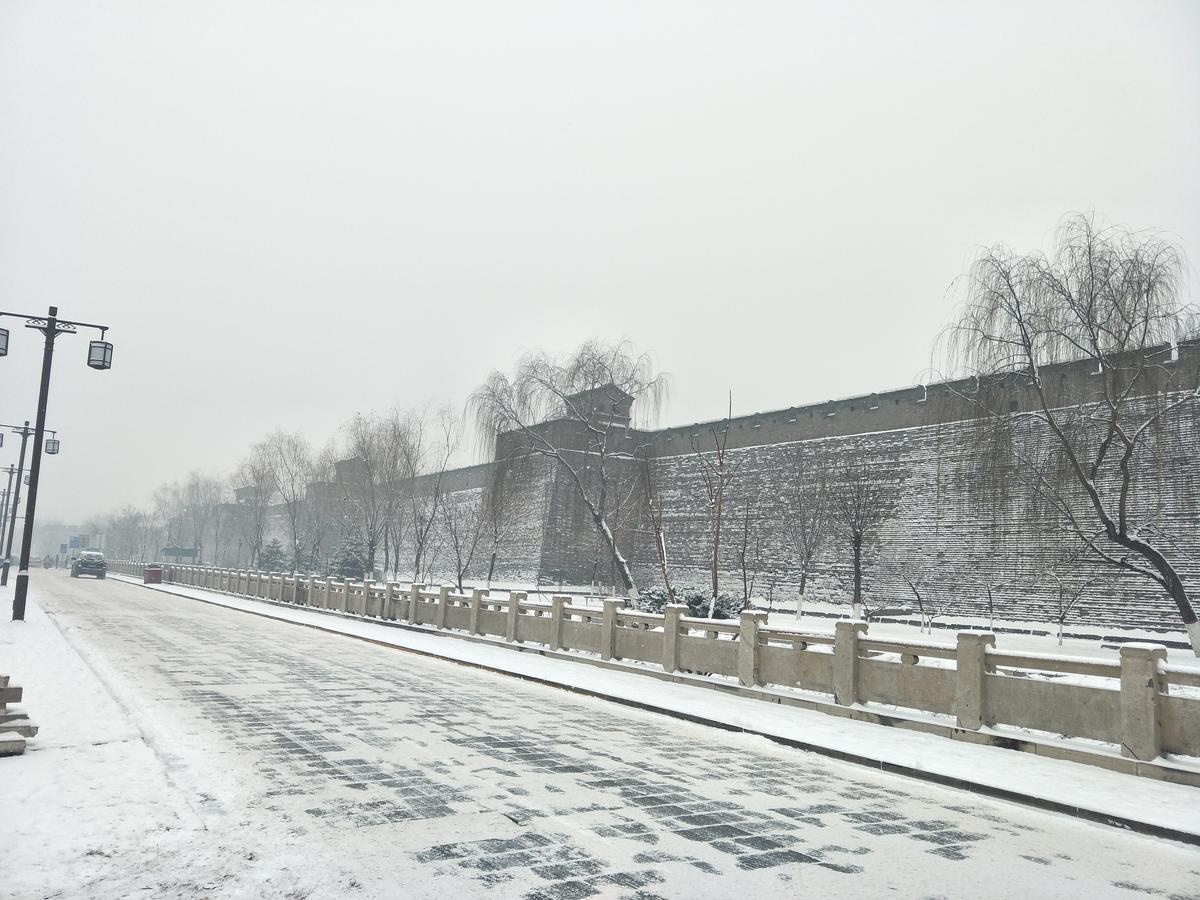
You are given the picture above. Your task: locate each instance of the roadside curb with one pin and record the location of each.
(975, 787)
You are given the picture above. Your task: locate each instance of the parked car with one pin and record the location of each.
(89, 562)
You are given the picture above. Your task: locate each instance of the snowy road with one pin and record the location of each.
(256, 758)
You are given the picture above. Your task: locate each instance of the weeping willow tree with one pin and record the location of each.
(1086, 446)
(597, 391)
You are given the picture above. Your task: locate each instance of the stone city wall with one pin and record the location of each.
(971, 529)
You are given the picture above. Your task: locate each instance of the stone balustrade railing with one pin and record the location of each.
(1129, 703)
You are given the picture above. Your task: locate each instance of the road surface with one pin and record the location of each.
(267, 759)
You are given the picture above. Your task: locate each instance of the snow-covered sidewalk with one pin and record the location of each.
(1094, 793)
(95, 807)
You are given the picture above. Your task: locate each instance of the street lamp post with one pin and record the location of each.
(12, 525)
(99, 357)
(24, 431)
(12, 470)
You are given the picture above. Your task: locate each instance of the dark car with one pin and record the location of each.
(90, 562)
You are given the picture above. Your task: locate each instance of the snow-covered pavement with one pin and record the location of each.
(190, 750)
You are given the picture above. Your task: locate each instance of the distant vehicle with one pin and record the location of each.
(89, 562)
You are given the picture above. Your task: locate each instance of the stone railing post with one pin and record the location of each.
(845, 661)
(414, 601)
(443, 604)
(327, 590)
(389, 601)
(970, 680)
(556, 621)
(608, 629)
(748, 655)
(514, 609)
(1141, 682)
(477, 596)
(672, 613)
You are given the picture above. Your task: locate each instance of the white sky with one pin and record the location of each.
(291, 211)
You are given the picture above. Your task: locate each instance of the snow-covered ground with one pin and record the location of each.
(1013, 642)
(192, 750)
(1015, 635)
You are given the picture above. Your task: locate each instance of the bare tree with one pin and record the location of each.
(992, 586)
(321, 504)
(594, 391)
(861, 501)
(1113, 297)
(254, 489)
(718, 469)
(806, 513)
(498, 508)
(1072, 586)
(223, 520)
(927, 579)
(290, 460)
(747, 545)
(202, 496)
(169, 510)
(124, 531)
(654, 515)
(370, 479)
(426, 448)
(147, 536)
(465, 524)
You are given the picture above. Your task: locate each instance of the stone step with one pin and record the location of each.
(23, 727)
(11, 743)
(10, 714)
(9, 695)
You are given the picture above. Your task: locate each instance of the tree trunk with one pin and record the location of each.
(857, 606)
(619, 560)
(491, 567)
(800, 599)
(1175, 587)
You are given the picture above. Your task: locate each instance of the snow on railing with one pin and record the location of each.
(1126, 703)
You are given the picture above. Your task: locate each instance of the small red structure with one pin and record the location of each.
(152, 575)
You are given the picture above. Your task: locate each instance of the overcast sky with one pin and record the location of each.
(291, 211)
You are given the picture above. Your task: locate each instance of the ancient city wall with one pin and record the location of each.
(970, 528)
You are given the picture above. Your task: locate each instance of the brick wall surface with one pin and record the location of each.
(964, 525)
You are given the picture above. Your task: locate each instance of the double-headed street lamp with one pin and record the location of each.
(99, 357)
(24, 431)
